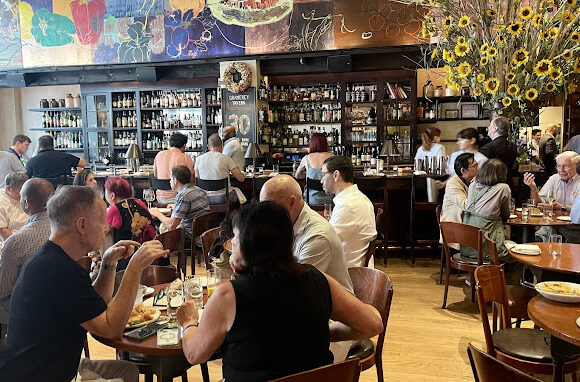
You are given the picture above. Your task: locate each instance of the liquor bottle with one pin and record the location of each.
(124, 119)
(115, 102)
(420, 110)
(358, 158)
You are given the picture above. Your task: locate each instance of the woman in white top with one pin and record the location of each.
(431, 146)
(467, 142)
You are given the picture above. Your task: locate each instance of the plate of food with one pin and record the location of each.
(145, 290)
(142, 315)
(534, 211)
(559, 291)
(564, 218)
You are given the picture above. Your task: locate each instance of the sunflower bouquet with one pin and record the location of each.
(512, 54)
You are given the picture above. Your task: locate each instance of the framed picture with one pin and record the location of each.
(470, 111)
(451, 114)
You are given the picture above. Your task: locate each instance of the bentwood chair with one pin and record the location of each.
(375, 288)
(173, 240)
(207, 239)
(201, 224)
(489, 369)
(527, 350)
(159, 184)
(518, 295)
(380, 240)
(345, 371)
(469, 236)
(218, 203)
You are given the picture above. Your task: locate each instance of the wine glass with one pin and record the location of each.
(525, 212)
(327, 211)
(512, 206)
(550, 197)
(149, 196)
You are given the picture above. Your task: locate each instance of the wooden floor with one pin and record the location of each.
(423, 341)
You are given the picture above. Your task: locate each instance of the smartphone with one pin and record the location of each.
(146, 331)
(167, 337)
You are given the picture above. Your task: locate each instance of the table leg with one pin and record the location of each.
(523, 234)
(561, 351)
(168, 367)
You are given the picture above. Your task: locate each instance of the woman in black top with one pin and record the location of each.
(273, 320)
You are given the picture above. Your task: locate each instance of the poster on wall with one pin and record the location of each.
(239, 110)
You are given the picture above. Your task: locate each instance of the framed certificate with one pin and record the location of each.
(470, 111)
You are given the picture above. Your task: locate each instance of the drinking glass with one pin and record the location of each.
(193, 290)
(174, 300)
(327, 211)
(512, 205)
(250, 170)
(555, 245)
(550, 197)
(531, 202)
(367, 169)
(149, 196)
(213, 280)
(276, 168)
(525, 212)
(548, 212)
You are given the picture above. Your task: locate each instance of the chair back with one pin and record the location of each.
(489, 369)
(375, 288)
(152, 275)
(216, 185)
(212, 185)
(312, 184)
(345, 371)
(207, 239)
(58, 181)
(173, 240)
(491, 287)
(438, 212)
(491, 249)
(201, 224)
(159, 184)
(460, 233)
(85, 262)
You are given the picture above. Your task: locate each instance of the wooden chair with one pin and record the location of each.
(438, 215)
(173, 240)
(312, 184)
(469, 236)
(201, 224)
(372, 287)
(207, 239)
(380, 240)
(518, 295)
(85, 262)
(525, 349)
(345, 371)
(489, 369)
(159, 184)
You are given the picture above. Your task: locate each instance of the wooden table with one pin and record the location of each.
(567, 262)
(167, 362)
(528, 227)
(559, 320)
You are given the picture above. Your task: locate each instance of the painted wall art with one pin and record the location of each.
(39, 33)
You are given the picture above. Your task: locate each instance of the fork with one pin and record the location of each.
(158, 296)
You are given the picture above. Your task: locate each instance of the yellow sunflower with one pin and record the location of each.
(483, 61)
(577, 65)
(448, 69)
(435, 53)
(506, 101)
(515, 28)
(511, 76)
(498, 27)
(461, 40)
(567, 17)
(556, 74)
(492, 12)
(477, 91)
(550, 87)
(538, 20)
(567, 54)
(544, 35)
(500, 39)
(520, 57)
(543, 68)
(531, 94)
(572, 88)
(480, 77)
(461, 50)
(575, 36)
(464, 21)
(491, 85)
(447, 22)
(513, 90)
(492, 51)
(553, 32)
(571, 3)
(483, 48)
(433, 3)
(474, 26)
(526, 13)
(463, 70)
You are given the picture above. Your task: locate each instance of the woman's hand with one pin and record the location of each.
(187, 313)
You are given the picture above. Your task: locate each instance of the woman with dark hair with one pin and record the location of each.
(85, 178)
(273, 319)
(311, 167)
(430, 146)
(467, 142)
(128, 216)
(488, 204)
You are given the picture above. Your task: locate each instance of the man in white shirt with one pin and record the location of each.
(353, 216)
(12, 216)
(232, 147)
(315, 241)
(534, 144)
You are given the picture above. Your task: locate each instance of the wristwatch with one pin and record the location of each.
(188, 326)
(109, 267)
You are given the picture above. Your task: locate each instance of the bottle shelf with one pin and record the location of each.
(71, 149)
(162, 130)
(397, 122)
(303, 101)
(169, 108)
(304, 123)
(368, 103)
(427, 121)
(56, 129)
(124, 128)
(98, 129)
(55, 109)
(448, 99)
(124, 109)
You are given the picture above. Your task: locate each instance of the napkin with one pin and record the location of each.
(527, 249)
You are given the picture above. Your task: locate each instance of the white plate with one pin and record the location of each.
(155, 316)
(570, 299)
(164, 210)
(513, 216)
(519, 209)
(526, 249)
(578, 321)
(564, 218)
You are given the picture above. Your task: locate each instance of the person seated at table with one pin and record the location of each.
(353, 215)
(128, 216)
(273, 319)
(85, 178)
(190, 202)
(467, 142)
(311, 168)
(213, 165)
(51, 311)
(455, 198)
(12, 216)
(488, 204)
(430, 146)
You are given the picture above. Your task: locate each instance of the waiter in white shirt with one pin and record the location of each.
(353, 216)
(232, 147)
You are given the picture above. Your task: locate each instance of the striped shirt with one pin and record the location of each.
(564, 192)
(190, 202)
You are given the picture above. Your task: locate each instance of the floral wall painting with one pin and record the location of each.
(37, 33)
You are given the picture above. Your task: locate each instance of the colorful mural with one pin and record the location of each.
(36, 33)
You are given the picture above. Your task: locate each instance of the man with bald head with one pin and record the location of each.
(21, 245)
(232, 146)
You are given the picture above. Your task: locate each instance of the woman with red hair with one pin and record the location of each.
(311, 167)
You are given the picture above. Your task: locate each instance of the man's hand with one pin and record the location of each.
(155, 212)
(187, 313)
(120, 250)
(529, 180)
(439, 184)
(149, 252)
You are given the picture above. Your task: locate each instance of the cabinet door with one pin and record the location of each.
(97, 128)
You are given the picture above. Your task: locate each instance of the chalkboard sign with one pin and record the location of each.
(239, 110)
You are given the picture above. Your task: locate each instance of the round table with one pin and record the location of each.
(529, 227)
(559, 320)
(568, 262)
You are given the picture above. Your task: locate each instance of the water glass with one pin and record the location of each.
(525, 212)
(327, 211)
(174, 300)
(531, 202)
(250, 170)
(193, 290)
(555, 245)
(548, 212)
(276, 168)
(214, 277)
(149, 196)
(512, 205)
(550, 196)
(367, 169)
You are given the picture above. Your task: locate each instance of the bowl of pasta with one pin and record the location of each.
(560, 291)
